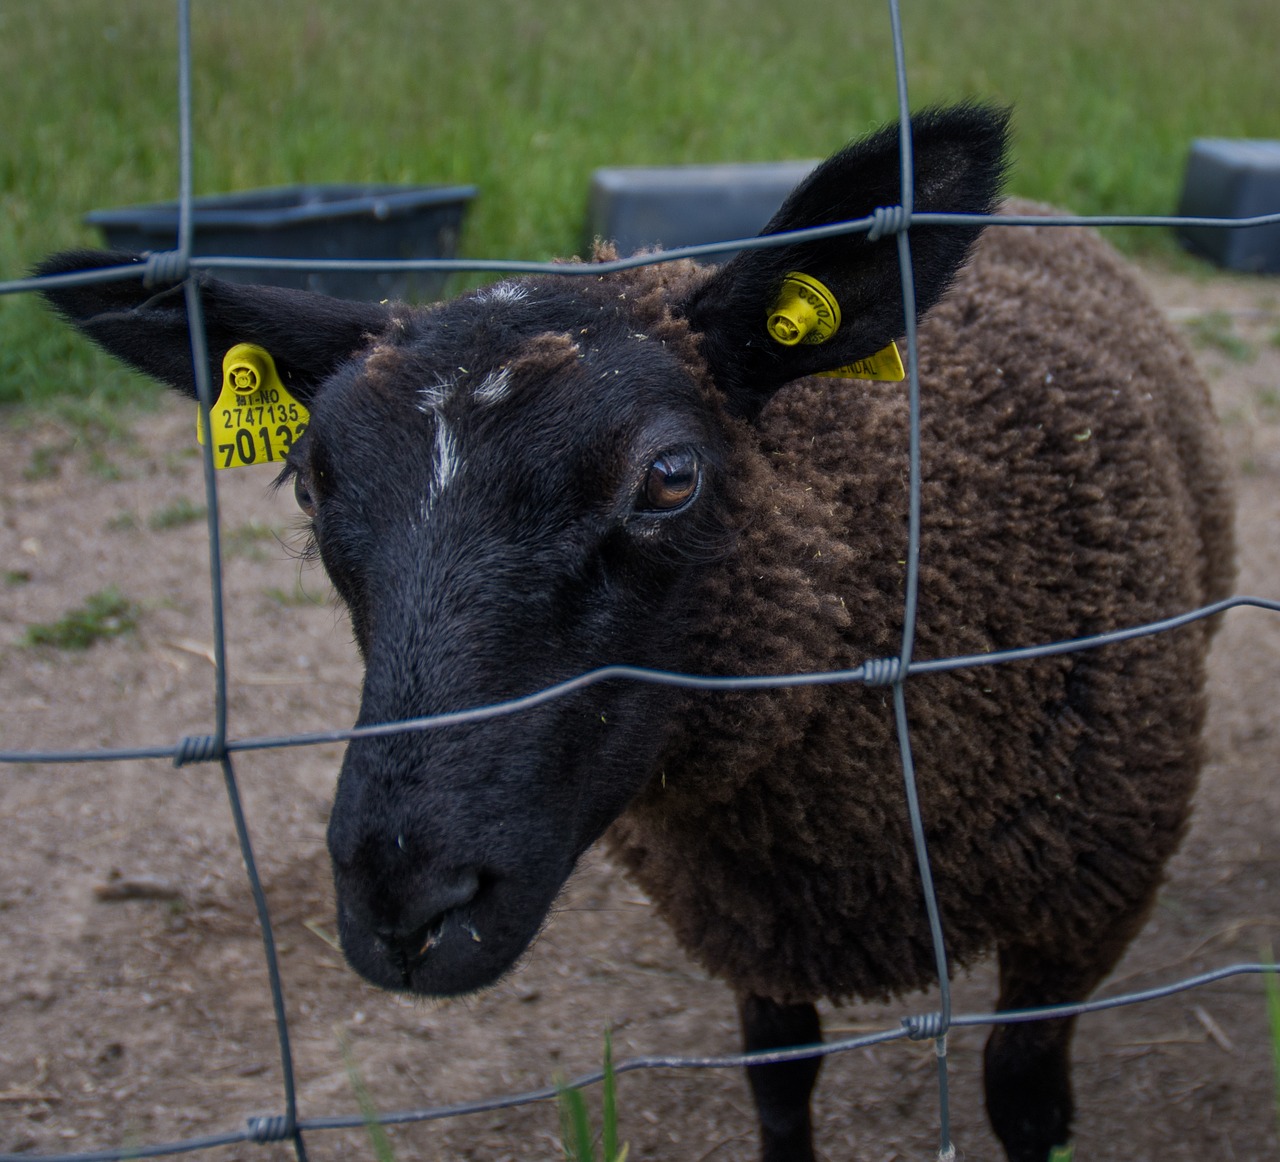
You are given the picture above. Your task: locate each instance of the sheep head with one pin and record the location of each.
(519, 486)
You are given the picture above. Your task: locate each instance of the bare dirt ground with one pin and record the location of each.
(131, 1021)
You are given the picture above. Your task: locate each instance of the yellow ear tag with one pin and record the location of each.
(255, 420)
(806, 311)
(884, 364)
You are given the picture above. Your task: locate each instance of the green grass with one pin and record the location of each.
(576, 1136)
(1272, 984)
(105, 614)
(577, 1139)
(298, 596)
(254, 541)
(525, 100)
(180, 512)
(379, 1139)
(1216, 330)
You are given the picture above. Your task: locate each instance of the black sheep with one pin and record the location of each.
(554, 474)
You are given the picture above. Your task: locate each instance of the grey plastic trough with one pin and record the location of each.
(1229, 178)
(310, 221)
(642, 207)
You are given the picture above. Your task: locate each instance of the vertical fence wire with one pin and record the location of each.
(912, 585)
(218, 748)
(289, 1128)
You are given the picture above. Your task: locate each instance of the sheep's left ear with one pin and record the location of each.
(307, 335)
(959, 167)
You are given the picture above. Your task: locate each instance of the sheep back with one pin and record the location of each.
(1073, 482)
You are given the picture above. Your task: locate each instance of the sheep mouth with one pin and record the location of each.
(462, 950)
(425, 939)
(418, 947)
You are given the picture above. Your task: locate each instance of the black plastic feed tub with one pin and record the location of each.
(310, 221)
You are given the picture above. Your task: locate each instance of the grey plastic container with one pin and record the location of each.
(310, 221)
(1228, 178)
(641, 207)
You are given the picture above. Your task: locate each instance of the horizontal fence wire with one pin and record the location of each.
(199, 262)
(875, 672)
(182, 265)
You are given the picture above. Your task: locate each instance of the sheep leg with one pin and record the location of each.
(781, 1091)
(1027, 1067)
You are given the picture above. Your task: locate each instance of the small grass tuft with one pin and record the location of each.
(298, 597)
(181, 512)
(378, 1137)
(46, 461)
(105, 614)
(251, 540)
(576, 1138)
(1272, 984)
(1216, 331)
(103, 467)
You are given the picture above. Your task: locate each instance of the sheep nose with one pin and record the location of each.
(421, 921)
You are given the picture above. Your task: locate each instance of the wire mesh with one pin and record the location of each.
(891, 672)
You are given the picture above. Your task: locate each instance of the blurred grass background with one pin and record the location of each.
(525, 99)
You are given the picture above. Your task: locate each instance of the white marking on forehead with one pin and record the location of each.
(445, 465)
(447, 459)
(434, 395)
(503, 292)
(493, 387)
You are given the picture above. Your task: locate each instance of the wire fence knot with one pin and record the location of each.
(198, 748)
(166, 266)
(882, 671)
(924, 1026)
(270, 1128)
(888, 220)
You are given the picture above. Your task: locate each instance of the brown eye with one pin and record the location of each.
(302, 494)
(671, 481)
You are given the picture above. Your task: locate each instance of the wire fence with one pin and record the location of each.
(182, 264)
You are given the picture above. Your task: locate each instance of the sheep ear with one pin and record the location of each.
(308, 335)
(959, 166)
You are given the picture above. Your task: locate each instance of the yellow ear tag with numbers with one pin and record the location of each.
(807, 312)
(255, 420)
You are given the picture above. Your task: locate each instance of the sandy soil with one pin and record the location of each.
(128, 1021)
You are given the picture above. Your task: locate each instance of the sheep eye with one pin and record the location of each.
(302, 494)
(671, 481)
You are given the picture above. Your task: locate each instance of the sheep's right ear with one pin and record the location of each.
(959, 167)
(308, 335)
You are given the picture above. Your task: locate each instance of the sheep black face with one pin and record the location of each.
(555, 484)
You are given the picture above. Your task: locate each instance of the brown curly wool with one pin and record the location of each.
(1070, 459)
